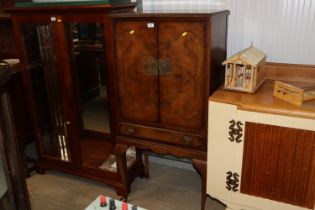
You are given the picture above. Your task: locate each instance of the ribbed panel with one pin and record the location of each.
(279, 164)
(284, 29)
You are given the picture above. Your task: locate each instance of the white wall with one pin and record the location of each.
(284, 29)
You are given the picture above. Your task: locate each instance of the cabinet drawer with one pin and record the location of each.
(161, 135)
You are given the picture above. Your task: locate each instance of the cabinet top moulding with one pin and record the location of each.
(74, 8)
(178, 13)
(263, 101)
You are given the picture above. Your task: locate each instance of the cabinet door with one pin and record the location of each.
(45, 85)
(182, 73)
(275, 162)
(91, 93)
(136, 53)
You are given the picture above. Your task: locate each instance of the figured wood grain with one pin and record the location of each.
(279, 164)
(138, 91)
(182, 90)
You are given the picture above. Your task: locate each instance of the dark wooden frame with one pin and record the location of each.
(86, 14)
(9, 150)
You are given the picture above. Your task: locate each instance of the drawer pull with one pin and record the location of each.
(131, 32)
(187, 140)
(184, 34)
(130, 130)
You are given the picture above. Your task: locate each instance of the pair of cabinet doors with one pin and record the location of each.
(161, 73)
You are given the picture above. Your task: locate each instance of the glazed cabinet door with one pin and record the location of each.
(182, 73)
(90, 95)
(136, 51)
(45, 86)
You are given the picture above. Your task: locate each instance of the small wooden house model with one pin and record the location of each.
(244, 71)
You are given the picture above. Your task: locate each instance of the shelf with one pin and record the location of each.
(95, 152)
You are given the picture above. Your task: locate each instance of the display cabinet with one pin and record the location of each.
(166, 65)
(66, 58)
(8, 56)
(13, 191)
(261, 151)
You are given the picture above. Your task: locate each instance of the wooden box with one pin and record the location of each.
(244, 71)
(294, 93)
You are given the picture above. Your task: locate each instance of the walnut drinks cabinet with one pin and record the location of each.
(261, 152)
(66, 57)
(166, 66)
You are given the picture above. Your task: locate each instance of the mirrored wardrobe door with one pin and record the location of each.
(89, 80)
(86, 42)
(42, 68)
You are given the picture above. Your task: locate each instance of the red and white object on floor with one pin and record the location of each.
(106, 203)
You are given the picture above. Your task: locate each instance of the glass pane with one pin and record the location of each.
(87, 47)
(46, 90)
(6, 197)
(3, 183)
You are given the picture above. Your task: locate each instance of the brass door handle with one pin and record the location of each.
(151, 66)
(164, 66)
(155, 67)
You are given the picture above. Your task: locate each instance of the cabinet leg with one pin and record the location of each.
(146, 164)
(143, 164)
(201, 167)
(120, 154)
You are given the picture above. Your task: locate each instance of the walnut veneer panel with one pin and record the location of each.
(136, 50)
(279, 164)
(182, 90)
(264, 101)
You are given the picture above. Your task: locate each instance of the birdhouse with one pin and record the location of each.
(244, 71)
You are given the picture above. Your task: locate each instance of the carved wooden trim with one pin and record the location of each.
(235, 131)
(232, 181)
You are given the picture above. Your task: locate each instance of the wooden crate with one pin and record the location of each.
(245, 71)
(294, 93)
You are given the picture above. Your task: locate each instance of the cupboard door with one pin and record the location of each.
(182, 73)
(136, 51)
(43, 71)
